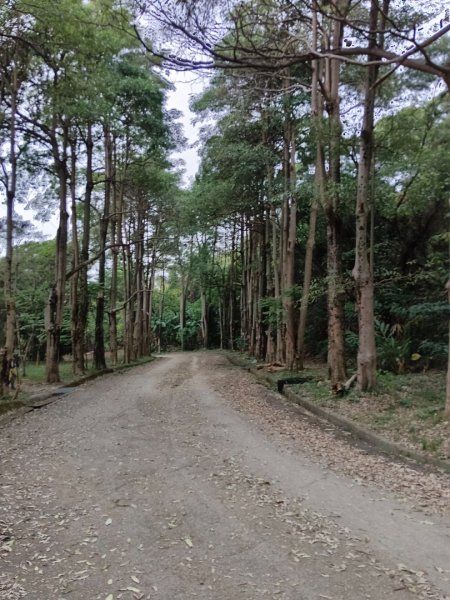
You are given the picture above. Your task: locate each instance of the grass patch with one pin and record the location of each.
(316, 390)
(385, 418)
(36, 374)
(421, 394)
(7, 405)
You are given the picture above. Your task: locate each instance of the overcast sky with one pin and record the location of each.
(187, 85)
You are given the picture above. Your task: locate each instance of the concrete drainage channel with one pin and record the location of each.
(284, 387)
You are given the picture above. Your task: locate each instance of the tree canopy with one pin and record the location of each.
(316, 225)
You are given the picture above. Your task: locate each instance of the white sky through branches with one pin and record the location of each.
(187, 85)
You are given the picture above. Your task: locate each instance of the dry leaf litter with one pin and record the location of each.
(59, 532)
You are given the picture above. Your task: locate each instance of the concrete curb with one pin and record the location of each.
(363, 434)
(356, 430)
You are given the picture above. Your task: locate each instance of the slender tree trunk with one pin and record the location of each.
(262, 289)
(10, 199)
(232, 289)
(83, 290)
(271, 274)
(204, 318)
(99, 342)
(161, 309)
(77, 330)
(55, 305)
(151, 289)
(290, 235)
(335, 293)
(243, 294)
(115, 239)
(183, 291)
(362, 271)
(317, 117)
(147, 291)
(250, 294)
(150, 302)
(276, 271)
(127, 286)
(139, 278)
(270, 291)
(447, 401)
(130, 293)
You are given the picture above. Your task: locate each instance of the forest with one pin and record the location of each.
(316, 226)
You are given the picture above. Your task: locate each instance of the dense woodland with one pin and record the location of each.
(316, 226)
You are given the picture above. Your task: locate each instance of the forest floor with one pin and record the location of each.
(185, 478)
(407, 409)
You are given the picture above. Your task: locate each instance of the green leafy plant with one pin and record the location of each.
(393, 351)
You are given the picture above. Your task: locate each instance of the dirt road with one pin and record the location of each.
(184, 479)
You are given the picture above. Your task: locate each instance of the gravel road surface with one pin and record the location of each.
(185, 479)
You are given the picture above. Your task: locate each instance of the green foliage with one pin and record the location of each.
(34, 265)
(392, 350)
(272, 311)
(192, 329)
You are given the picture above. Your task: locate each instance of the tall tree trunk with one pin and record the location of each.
(151, 298)
(204, 317)
(250, 289)
(149, 280)
(232, 289)
(447, 401)
(11, 184)
(362, 271)
(83, 289)
(289, 242)
(99, 342)
(77, 330)
(55, 304)
(115, 243)
(127, 288)
(276, 271)
(183, 291)
(335, 292)
(161, 308)
(270, 290)
(262, 288)
(243, 294)
(139, 285)
(319, 179)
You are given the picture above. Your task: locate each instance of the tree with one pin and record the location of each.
(13, 65)
(223, 35)
(48, 116)
(227, 39)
